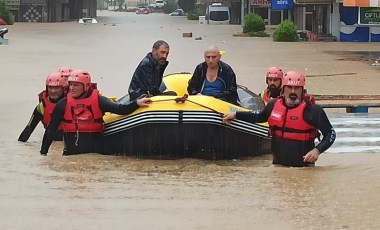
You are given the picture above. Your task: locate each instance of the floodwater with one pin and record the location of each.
(105, 192)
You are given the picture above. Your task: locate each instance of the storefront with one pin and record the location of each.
(360, 21)
(273, 14)
(52, 10)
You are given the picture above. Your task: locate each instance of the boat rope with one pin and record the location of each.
(184, 98)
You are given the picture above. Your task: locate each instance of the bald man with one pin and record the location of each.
(214, 78)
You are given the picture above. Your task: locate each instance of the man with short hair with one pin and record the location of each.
(148, 75)
(214, 78)
(293, 123)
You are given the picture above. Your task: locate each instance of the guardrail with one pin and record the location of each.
(352, 103)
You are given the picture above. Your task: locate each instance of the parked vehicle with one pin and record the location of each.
(177, 12)
(157, 4)
(216, 13)
(142, 10)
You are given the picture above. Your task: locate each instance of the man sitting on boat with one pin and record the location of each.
(293, 123)
(55, 91)
(214, 78)
(148, 75)
(81, 114)
(273, 79)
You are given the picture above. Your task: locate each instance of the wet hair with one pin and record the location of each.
(160, 43)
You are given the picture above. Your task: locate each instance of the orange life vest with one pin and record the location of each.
(265, 96)
(83, 115)
(48, 108)
(288, 123)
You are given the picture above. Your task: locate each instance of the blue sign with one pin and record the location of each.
(282, 4)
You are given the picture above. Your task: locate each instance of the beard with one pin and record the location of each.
(273, 91)
(292, 100)
(162, 61)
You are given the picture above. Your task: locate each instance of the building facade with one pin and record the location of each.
(51, 10)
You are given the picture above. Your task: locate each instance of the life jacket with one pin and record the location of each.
(48, 108)
(289, 124)
(310, 98)
(83, 115)
(265, 96)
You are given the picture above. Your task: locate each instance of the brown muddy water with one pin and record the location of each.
(104, 192)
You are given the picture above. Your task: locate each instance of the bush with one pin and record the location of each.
(253, 23)
(285, 32)
(5, 13)
(193, 16)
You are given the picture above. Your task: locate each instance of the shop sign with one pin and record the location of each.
(282, 4)
(369, 16)
(260, 2)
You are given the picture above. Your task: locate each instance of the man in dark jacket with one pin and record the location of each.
(148, 75)
(214, 78)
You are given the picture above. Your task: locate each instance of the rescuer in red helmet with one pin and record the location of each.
(293, 123)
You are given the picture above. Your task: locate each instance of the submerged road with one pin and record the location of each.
(105, 192)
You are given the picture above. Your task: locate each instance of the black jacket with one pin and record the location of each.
(291, 152)
(226, 74)
(147, 77)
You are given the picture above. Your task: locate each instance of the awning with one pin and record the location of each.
(362, 3)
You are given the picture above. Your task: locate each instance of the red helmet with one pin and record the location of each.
(275, 73)
(293, 78)
(55, 79)
(65, 71)
(80, 76)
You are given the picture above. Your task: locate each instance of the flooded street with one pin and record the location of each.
(105, 192)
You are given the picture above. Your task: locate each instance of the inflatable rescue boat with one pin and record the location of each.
(187, 126)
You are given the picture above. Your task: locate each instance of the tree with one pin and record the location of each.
(187, 5)
(5, 13)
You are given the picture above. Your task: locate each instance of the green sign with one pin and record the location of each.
(369, 16)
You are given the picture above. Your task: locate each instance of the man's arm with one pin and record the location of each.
(317, 117)
(142, 78)
(56, 119)
(33, 122)
(107, 105)
(192, 85)
(254, 117)
(231, 87)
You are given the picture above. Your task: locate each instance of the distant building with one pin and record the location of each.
(51, 10)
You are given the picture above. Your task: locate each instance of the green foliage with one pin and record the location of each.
(253, 23)
(169, 7)
(193, 16)
(187, 5)
(5, 13)
(258, 34)
(285, 32)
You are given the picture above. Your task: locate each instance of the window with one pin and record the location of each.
(219, 16)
